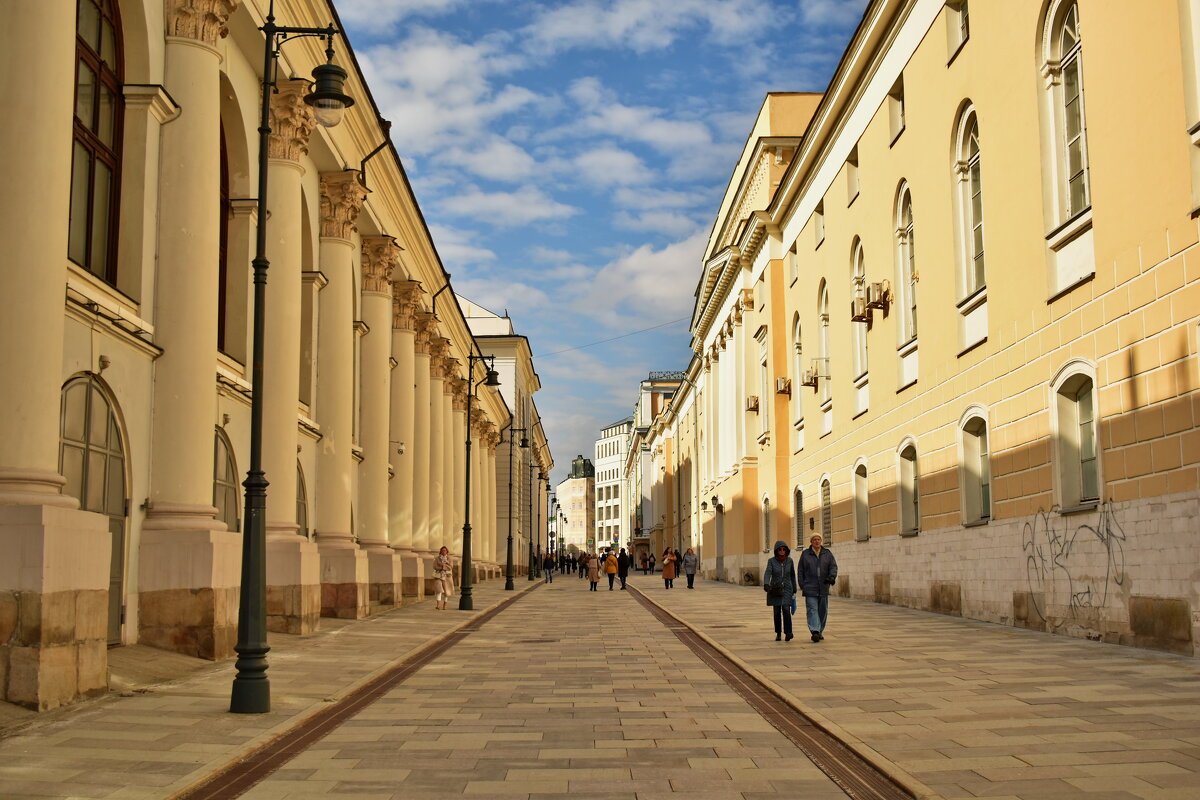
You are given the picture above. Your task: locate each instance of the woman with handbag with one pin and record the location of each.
(593, 571)
(779, 582)
(443, 578)
(668, 568)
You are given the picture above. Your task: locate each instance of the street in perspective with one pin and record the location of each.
(716, 399)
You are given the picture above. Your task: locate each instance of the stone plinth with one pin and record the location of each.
(386, 574)
(413, 574)
(293, 585)
(345, 582)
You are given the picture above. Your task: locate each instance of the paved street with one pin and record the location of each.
(568, 692)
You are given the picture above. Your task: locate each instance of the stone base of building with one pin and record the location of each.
(430, 583)
(385, 570)
(293, 585)
(345, 582)
(412, 575)
(188, 601)
(53, 605)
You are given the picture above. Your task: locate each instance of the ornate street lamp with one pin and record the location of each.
(491, 378)
(251, 692)
(532, 565)
(508, 571)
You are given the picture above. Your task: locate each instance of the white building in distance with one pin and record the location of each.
(612, 505)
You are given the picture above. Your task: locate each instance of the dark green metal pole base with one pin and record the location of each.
(250, 696)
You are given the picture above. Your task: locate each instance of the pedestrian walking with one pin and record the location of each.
(583, 559)
(818, 571)
(443, 578)
(691, 562)
(642, 562)
(548, 568)
(593, 569)
(779, 582)
(610, 569)
(623, 562)
(668, 568)
(651, 563)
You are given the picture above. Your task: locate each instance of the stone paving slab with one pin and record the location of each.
(970, 708)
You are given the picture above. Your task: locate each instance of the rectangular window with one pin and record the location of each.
(895, 105)
(819, 223)
(852, 182)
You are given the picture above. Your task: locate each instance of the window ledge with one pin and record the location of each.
(978, 523)
(971, 347)
(896, 138)
(820, 242)
(1072, 287)
(907, 385)
(907, 347)
(852, 199)
(859, 414)
(1069, 230)
(1084, 507)
(958, 49)
(857, 540)
(911, 532)
(971, 301)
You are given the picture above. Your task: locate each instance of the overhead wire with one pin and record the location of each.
(614, 338)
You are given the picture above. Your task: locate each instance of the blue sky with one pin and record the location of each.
(570, 156)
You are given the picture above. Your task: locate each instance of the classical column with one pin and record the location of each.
(458, 446)
(406, 298)
(436, 449)
(380, 256)
(343, 567)
(294, 592)
(453, 457)
(56, 558)
(489, 503)
(426, 327)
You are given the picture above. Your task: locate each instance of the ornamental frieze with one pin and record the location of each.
(380, 255)
(291, 121)
(342, 197)
(200, 20)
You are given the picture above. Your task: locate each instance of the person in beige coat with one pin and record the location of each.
(668, 568)
(593, 568)
(443, 578)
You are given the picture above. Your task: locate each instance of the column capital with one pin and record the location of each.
(425, 326)
(380, 255)
(439, 349)
(291, 120)
(450, 366)
(458, 389)
(406, 300)
(201, 20)
(342, 197)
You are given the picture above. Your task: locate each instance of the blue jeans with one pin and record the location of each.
(818, 612)
(549, 575)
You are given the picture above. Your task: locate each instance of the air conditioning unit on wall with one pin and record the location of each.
(783, 386)
(752, 403)
(810, 378)
(877, 295)
(859, 312)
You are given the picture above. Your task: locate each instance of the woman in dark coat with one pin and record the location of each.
(779, 582)
(623, 563)
(818, 571)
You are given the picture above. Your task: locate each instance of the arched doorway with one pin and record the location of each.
(92, 459)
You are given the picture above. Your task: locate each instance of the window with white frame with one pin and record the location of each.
(766, 525)
(910, 495)
(826, 511)
(764, 384)
(907, 266)
(852, 183)
(862, 504)
(895, 103)
(972, 274)
(858, 291)
(823, 361)
(797, 396)
(958, 26)
(793, 261)
(1075, 436)
(819, 223)
(798, 515)
(976, 471)
(1066, 59)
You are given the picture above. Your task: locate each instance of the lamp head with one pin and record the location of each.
(328, 100)
(524, 442)
(492, 379)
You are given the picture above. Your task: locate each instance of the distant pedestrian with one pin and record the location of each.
(443, 578)
(623, 567)
(642, 562)
(779, 582)
(668, 568)
(610, 569)
(691, 563)
(818, 571)
(548, 568)
(593, 570)
(651, 563)
(583, 559)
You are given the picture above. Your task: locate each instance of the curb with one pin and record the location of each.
(248, 749)
(891, 769)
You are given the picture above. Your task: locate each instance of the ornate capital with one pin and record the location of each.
(380, 255)
(449, 370)
(439, 348)
(425, 326)
(406, 300)
(202, 20)
(342, 198)
(291, 121)
(458, 394)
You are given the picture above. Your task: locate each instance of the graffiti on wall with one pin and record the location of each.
(1054, 553)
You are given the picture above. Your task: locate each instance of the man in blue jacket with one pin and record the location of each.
(818, 571)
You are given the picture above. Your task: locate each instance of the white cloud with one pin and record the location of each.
(550, 255)
(831, 12)
(522, 207)
(645, 284)
(667, 223)
(382, 15)
(502, 294)
(495, 158)
(611, 166)
(458, 248)
(657, 199)
(604, 114)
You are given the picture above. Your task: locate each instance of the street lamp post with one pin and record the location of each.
(532, 565)
(491, 378)
(251, 692)
(508, 571)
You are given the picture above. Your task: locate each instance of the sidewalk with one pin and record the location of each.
(149, 743)
(969, 708)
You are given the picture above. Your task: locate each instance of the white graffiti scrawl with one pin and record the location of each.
(1049, 558)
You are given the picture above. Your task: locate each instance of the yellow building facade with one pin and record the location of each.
(948, 318)
(126, 340)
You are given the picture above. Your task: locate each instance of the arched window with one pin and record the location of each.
(910, 495)
(225, 483)
(826, 512)
(302, 503)
(91, 457)
(96, 159)
(907, 266)
(975, 471)
(798, 515)
(766, 524)
(1075, 435)
(825, 372)
(858, 290)
(797, 396)
(970, 205)
(223, 249)
(1065, 71)
(862, 504)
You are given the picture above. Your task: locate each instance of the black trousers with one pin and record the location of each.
(783, 619)
(611, 577)
(691, 579)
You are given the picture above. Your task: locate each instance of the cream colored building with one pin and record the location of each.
(577, 501)
(126, 337)
(948, 318)
(612, 504)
